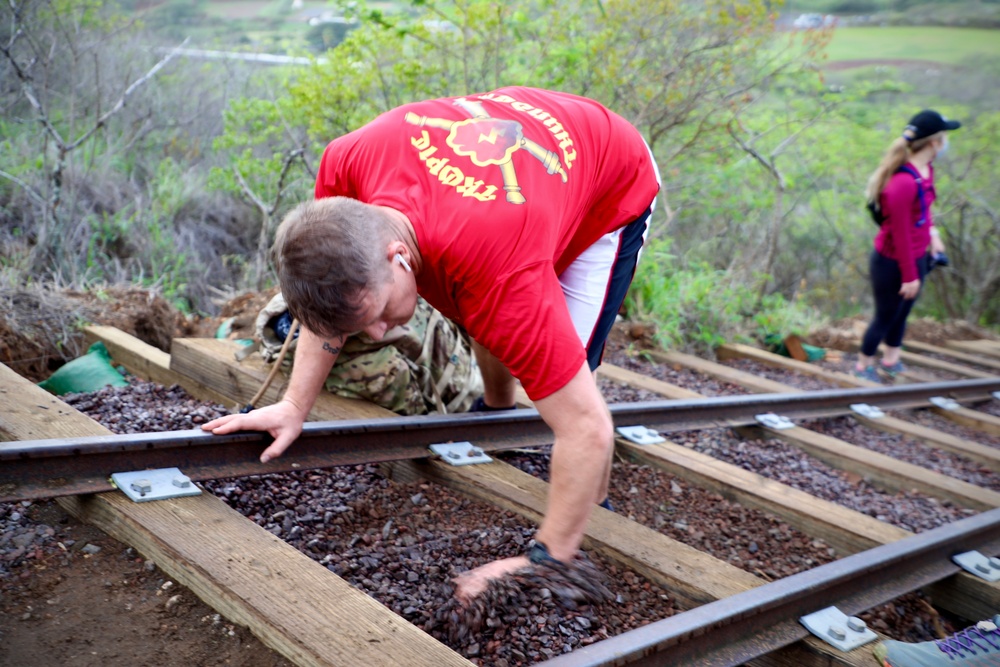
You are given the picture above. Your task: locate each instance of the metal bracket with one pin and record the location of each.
(996, 395)
(944, 403)
(979, 565)
(777, 422)
(838, 629)
(145, 485)
(866, 410)
(460, 453)
(640, 435)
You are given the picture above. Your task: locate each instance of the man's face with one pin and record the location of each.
(389, 305)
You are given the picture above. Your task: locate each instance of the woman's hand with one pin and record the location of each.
(937, 246)
(910, 290)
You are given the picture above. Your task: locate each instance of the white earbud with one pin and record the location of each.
(402, 260)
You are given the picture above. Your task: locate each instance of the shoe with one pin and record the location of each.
(978, 646)
(606, 504)
(479, 405)
(869, 373)
(892, 371)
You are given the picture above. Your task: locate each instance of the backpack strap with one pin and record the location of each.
(920, 192)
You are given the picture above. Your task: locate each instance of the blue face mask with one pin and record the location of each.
(944, 146)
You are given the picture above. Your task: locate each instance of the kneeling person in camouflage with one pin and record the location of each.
(421, 367)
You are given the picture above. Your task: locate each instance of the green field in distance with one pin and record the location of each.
(950, 46)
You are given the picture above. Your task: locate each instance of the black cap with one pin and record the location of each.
(926, 123)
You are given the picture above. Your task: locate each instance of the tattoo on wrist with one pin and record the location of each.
(330, 348)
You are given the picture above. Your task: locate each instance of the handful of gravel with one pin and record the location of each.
(519, 598)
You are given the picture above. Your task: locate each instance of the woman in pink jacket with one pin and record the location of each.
(903, 189)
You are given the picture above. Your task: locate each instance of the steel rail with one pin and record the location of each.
(69, 466)
(748, 625)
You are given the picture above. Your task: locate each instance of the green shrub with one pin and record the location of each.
(698, 308)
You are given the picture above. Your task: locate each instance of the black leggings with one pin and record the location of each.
(891, 310)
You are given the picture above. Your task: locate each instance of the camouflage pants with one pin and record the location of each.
(424, 366)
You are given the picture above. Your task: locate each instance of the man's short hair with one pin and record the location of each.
(328, 253)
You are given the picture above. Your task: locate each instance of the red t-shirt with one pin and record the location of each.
(504, 190)
(900, 238)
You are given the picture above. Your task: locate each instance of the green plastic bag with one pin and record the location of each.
(85, 374)
(776, 344)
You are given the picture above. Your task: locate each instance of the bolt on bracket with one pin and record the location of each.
(640, 435)
(460, 453)
(866, 410)
(777, 422)
(978, 564)
(145, 485)
(944, 403)
(838, 629)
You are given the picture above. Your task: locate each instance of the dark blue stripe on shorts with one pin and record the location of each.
(629, 244)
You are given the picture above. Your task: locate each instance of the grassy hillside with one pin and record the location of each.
(950, 46)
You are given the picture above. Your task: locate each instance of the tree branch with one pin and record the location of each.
(248, 191)
(755, 154)
(128, 91)
(289, 160)
(25, 186)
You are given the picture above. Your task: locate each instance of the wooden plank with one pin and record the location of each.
(965, 595)
(962, 594)
(980, 360)
(720, 372)
(984, 454)
(981, 421)
(149, 363)
(691, 575)
(293, 604)
(739, 351)
(846, 530)
(883, 470)
(639, 381)
(989, 348)
(210, 363)
(972, 418)
(894, 474)
(914, 359)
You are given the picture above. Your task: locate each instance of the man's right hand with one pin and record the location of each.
(283, 421)
(910, 290)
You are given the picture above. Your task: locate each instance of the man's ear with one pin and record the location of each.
(398, 252)
(395, 248)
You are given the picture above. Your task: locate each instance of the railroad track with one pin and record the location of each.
(746, 621)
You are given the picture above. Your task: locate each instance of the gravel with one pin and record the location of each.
(752, 540)
(789, 465)
(959, 362)
(791, 378)
(991, 407)
(907, 449)
(402, 543)
(669, 373)
(937, 422)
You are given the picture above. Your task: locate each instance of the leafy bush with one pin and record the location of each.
(698, 308)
